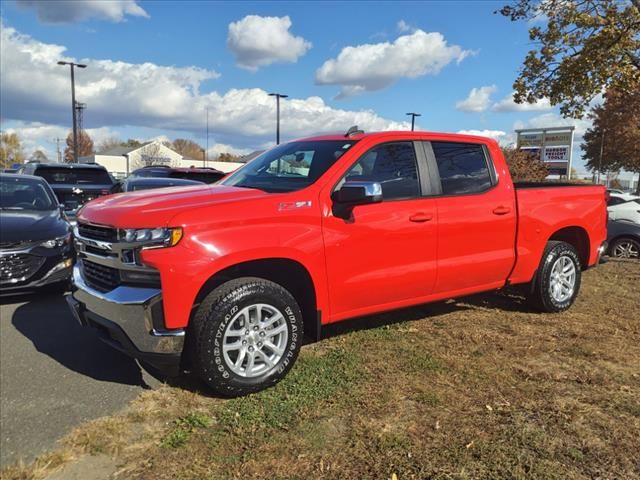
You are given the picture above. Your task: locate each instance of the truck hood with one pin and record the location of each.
(156, 208)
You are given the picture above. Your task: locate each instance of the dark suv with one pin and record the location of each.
(206, 175)
(73, 183)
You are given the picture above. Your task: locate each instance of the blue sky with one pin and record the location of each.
(155, 66)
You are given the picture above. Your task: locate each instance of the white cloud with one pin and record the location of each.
(259, 41)
(34, 89)
(371, 67)
(501, 137)
(69, 11)
(478, 99)
(218, 148)
(403, 26)
(507, 104)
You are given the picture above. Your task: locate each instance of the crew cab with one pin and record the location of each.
(225, 279)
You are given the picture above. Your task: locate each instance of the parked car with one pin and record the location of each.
(205, 175)
(622, 193)
(624, 239)
(73, 183)
(317, 231)
(624, 208)
(133, 184)
(35, 238)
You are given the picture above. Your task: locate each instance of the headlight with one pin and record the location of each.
(57, 242)
(167, 237)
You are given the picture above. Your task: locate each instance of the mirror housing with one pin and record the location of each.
(352, 194)
(358, 193)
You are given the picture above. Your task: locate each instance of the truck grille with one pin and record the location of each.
(18, 267)
(95, 232)
(100, 277)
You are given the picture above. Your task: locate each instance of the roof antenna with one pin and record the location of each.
(353, 131)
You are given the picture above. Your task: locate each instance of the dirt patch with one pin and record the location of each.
(477, 388)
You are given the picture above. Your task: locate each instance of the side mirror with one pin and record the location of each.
(358, 193)
(352, 194)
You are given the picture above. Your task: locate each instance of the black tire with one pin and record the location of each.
(541, 296)
(214, 316)
(625, 241)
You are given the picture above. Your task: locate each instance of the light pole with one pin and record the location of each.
(73, 106)
(278, 97)
(413, 119)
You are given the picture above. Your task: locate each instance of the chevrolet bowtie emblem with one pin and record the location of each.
(77, 191)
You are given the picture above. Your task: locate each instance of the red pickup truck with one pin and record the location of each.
(224, 279)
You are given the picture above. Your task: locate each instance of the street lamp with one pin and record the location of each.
(278, 97)
(73, 106)
(413, 119)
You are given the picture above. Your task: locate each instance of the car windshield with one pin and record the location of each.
(74, 176)
(19, 193)
(289, 167)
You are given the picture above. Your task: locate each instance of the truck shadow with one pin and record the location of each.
(46, 321)
(506, 300)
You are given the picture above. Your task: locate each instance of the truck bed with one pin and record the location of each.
(553, 211)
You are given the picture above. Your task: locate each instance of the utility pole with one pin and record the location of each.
(601, 154)
(278, 97)
(413, 119)
(73, 106)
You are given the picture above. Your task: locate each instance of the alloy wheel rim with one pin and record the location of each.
(626, 250)
(563, 279)
(255, 340)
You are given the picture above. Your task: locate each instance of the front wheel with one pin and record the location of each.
(558, 279)
(247, 335)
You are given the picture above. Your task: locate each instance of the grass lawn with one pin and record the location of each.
(480, 387)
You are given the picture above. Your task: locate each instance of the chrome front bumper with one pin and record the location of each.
(135, 312)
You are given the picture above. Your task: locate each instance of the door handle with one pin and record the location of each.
(501, 210)
(420, 217)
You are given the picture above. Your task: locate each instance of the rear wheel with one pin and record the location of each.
(248, 333)
(558, 279)
(625, 248)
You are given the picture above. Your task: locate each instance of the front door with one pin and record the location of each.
(385, 254)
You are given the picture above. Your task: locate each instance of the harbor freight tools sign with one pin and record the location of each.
(554, 146)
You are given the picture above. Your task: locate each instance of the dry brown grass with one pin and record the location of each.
(478, 388)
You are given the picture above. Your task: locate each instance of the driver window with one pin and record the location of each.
(392, 165)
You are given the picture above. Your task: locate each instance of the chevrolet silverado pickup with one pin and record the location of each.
(225, 279)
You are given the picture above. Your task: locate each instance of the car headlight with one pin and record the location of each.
(167, 237)
(57, 242)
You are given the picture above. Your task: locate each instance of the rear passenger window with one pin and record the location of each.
(393, 165)
(463, 168)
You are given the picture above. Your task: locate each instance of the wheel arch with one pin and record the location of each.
(578, 237)
(290, 274)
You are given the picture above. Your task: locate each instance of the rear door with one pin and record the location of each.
(385, 254)
(476, 218)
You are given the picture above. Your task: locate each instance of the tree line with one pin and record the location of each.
(12, 150)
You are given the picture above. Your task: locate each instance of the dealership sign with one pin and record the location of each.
(551, 145)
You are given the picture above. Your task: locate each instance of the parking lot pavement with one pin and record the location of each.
(54, 374)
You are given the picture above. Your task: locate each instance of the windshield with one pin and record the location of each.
(25, 194)
(75, 176)
(289, 167)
